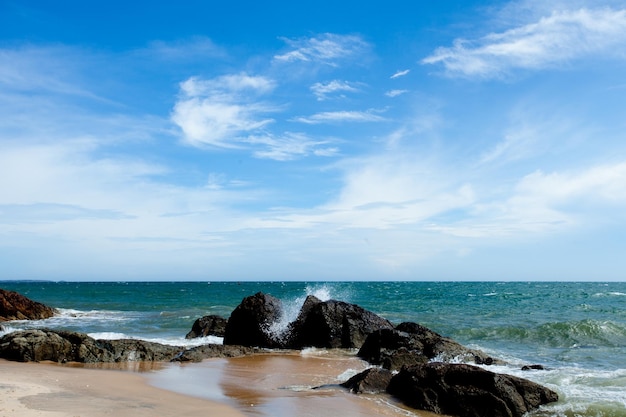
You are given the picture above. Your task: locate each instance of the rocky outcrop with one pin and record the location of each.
(333, 324)
(467, 391)
(249, 323)
(208, 326)
(412, 344)
(14, 306)
(324, 324)
(63, 346)
(199, 353)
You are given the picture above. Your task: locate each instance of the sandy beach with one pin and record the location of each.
(265, 385)
(51, 390)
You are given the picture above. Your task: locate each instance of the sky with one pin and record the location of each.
(326, 140)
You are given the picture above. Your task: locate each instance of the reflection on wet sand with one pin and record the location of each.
(281, 385)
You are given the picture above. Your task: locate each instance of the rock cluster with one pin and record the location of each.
(467, 391)
(414, 364)
(14, 306)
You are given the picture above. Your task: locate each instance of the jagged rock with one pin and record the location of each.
(467, 391)
(14, 306)
(249, 323)
(412, 344)
(63, 346)
(208, 326)
(370, 381)
(333, 324)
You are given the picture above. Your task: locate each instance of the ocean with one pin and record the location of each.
(576, 330)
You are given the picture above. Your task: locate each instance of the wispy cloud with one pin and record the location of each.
(395, 93)
(327, 48)
(216, 111)
(291, 146)
(553, 40)
(195, 48)
(324, 91)
(400, 74)
(341, 116)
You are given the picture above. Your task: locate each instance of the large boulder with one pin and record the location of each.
(208, 326)
(333, 324)
(14, 306)
(467, 391)
(412, 344)
(63, 346)
(249, 324)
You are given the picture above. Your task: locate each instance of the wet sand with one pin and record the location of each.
(272, 385)
(51, 390)
(281, 385)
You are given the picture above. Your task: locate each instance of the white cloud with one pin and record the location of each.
(323, 90)
(341, 116)
(327, 48)
(400, 74)
(290, 146)
(560, 37)
(217, 111)
(395, 93)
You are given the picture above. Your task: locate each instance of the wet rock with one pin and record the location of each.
(467, 391)
(14, 306)
(333, 324)
(533, 368)
(208, 326)
(62, 346)
(370, 381)
(412, 344)
(198, 354)
(249, 324)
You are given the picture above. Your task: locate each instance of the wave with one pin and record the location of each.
(577, 334)
(582, 392)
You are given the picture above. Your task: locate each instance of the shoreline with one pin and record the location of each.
(53, 390)
(276, 385)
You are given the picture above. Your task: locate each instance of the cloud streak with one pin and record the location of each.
(327, 49)
(324, 91)
(341, 117)
(552, 41)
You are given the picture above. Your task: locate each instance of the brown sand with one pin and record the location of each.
(272, 385)
(281, 385)
(50, 390)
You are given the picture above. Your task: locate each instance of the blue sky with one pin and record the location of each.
(449, 140)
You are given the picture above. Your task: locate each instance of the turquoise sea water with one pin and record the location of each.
(576, 330)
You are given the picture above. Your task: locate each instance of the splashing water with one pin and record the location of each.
(291, 307)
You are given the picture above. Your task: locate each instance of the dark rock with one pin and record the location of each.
(412, 344)
(199, 353)
(533, 368)
(249, 323)
(14, 306)
(333, 324)
(62, 346)
(208, 326)
(370, 381)
(467, 391)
